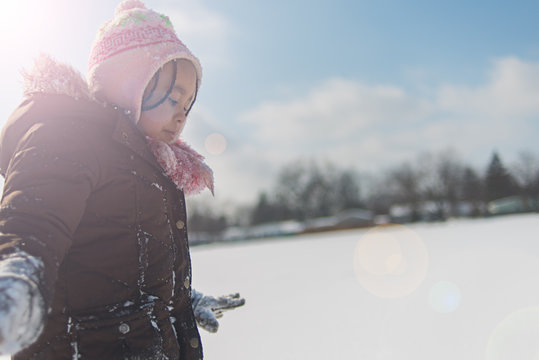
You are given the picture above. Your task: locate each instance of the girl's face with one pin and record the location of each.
(166, 121)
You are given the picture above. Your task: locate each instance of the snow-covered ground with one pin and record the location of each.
(464, 289)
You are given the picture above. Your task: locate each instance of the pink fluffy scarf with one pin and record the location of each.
(183, 165)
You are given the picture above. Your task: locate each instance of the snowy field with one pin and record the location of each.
(464, 289)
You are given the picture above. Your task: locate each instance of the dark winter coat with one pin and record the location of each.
(84, 194)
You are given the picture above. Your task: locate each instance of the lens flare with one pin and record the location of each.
(215, 144)
(390, 261)
(444, 297)
(516, 336)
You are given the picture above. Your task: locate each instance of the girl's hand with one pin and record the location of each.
(21, 314)
(208, 309)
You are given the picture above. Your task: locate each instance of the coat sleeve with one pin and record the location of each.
(50, 176)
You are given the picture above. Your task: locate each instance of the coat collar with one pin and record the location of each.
(178, 162)
(127, 134)
(49, 76)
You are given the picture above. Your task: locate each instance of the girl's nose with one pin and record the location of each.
(180, 116)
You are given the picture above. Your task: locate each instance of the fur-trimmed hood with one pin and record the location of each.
(184, 166)
(49, 76)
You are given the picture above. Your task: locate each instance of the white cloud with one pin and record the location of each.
(338, 110)
(373, 127)
(512, 90)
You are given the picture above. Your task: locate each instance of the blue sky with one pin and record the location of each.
(364, 84)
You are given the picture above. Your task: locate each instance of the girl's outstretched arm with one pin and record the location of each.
(47, 182)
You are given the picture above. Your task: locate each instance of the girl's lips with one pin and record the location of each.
(170, 134)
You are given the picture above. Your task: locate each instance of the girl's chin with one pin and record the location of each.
(174, 139)
(169, 137)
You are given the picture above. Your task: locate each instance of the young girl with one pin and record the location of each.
(94, 258)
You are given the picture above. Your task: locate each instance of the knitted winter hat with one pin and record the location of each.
(128, 50)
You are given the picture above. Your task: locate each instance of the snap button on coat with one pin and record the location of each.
(186, 283)
(193, 342)
(180, 224)
(124, 328)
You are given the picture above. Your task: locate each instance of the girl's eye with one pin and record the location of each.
(173, 102)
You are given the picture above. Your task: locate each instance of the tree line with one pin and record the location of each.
(308, 189)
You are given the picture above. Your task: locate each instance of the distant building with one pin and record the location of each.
(281, 228)
(507, 205)
(346, 219)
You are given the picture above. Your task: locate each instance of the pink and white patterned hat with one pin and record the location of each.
(128, 50)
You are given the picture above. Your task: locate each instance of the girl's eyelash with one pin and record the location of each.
(174, 103)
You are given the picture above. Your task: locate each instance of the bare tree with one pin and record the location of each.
(289, 191)
(202, 219)
(306, 190)
(378, 193)
(472, 190)
(441, 178)
(526, 172)
(404, 184)
(347, 190)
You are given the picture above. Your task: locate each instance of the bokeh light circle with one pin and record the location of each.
(215, 144)
(390, 261)
(516, 336)
(445, 297)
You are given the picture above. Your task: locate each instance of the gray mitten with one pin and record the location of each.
(208, 309)
(22, 309)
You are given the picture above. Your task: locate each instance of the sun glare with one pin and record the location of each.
(32, 26)
(390, 261)
(215, 144)
(16, 20)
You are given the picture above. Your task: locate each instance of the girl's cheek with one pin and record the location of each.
(160, 115)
